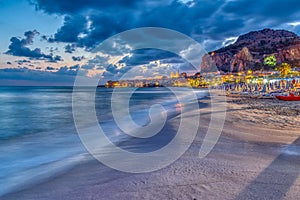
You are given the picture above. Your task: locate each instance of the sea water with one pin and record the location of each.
(38, 138)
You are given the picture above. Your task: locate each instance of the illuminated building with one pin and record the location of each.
(177, 74)
(172, 75)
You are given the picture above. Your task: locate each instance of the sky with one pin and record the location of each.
(46, 42)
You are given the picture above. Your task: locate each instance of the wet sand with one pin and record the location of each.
(256, 157)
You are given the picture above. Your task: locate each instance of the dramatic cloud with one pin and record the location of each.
(73, 25)
(76, 6)
(87, 24)
(209, 22)
(275, 9)
(18, 47)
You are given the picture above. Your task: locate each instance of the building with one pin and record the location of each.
(176, 75)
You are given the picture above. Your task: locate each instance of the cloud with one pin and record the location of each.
(112, 71)
(264, 8)
(229, 41)
(21, 62)
(144, 56)
(50, 68)
(70, 48)
(18, 47)
(78, 58)
(24, 76)
(52, 49)
(73, 25)
(64, 6)
(89, 23)
(54, 59)
(44, 37)
(68, 70)
(75, 67)
(97, 62)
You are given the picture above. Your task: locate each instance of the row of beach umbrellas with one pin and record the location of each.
(263, 87)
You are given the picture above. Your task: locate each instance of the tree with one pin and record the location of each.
(270, 60)
(284, 69)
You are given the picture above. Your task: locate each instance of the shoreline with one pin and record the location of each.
(251, 159)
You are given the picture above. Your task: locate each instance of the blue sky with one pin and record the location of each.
(45, 42)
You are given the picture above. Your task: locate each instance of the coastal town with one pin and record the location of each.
(284, 72)
(207, 79)
(281, 80)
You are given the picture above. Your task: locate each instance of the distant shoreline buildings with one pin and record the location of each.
(200, 80)
(175, 79)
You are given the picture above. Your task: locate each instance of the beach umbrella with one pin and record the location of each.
(276, 85)
(284, 84)
(287, 86)
(245, 88)
(281, 86)
(269, 86)
(240, 87)
(256, 88)
(292, 86)
(272, 87)
(264, 90)
(251, 88)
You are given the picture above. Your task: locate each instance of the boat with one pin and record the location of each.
(290, 97)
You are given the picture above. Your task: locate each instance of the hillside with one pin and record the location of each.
(250, 49)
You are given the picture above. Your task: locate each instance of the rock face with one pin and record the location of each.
(242, 60)
(250, 50)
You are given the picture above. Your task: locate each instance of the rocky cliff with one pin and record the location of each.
(249, 51)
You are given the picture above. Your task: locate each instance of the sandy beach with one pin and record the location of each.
(256, 157)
